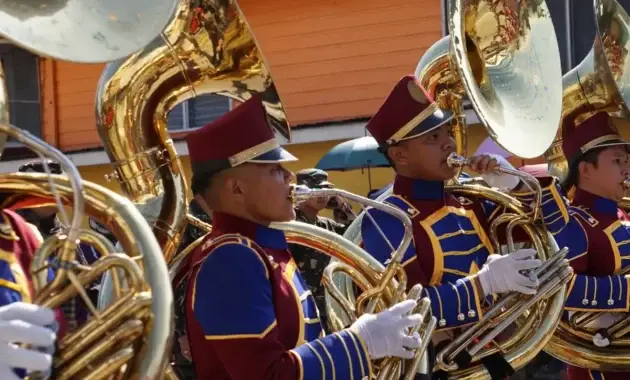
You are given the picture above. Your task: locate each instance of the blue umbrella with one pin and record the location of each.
(359, 153)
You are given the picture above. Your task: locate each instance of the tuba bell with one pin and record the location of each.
(598, 83)
(128, 339)
(209, 48)
(503, 56)
(83, 31)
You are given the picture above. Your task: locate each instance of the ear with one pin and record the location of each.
(398, 154)
(235, 188)
(203, 204)
(585, 169)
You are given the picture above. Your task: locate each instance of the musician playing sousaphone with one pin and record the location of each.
(20, 321)
(593, 227)
(249, 314)
(452, 255)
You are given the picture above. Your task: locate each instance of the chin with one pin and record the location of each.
(287, 216)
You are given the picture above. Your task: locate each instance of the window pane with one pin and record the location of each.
(22, 81)
(558, 16)
(207, 108)
(175, 119)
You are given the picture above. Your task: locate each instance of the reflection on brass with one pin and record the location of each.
(207, 48)
(83, 30)
(599, 82)
(504, 57)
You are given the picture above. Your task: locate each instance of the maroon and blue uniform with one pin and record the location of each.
(596, 232)
(249, 313)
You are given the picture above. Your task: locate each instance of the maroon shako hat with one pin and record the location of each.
(241, 135)
(408, 112)
(595, 132)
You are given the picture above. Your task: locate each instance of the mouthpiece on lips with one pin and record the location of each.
(626, 183)
(296, 191)
(454, 160)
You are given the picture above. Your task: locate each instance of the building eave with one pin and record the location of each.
(302, 135)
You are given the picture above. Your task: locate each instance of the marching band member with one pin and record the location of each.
(20, 322)
(249, 314)
(451, 254)
(592, 226)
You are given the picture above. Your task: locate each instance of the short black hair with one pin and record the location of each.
(382, 149)
(573, 177)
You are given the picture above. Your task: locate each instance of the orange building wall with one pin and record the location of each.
(331, 60)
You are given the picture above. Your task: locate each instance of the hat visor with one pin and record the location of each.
(436, 120)
(325, 185)
(275, 155)
(605, 144)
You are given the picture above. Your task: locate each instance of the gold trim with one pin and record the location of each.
(593, 143)
(255, 151)
(411, 124)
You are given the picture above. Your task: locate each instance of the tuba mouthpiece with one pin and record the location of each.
(626, 183)
(299, 193)
(454, 160)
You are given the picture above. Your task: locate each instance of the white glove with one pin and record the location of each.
(24, 323)
(385, 333)
(501, 274)
(501, 181)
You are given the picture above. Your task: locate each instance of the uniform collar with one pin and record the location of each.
(595, 202)
(265, 237)
(419, 189)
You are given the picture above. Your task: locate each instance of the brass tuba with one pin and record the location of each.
(84, 31)
(206, 48)
(503, 56)
(209, 48)
(598, 83)
(128, 339)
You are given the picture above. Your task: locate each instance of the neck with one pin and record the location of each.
(595, 190)
(243, 214)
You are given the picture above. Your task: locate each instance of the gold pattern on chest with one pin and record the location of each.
(459, 243)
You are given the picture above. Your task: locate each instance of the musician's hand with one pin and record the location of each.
(487, 165)
(502, 274)
(25, 323)
(385, 333)
(483, 163)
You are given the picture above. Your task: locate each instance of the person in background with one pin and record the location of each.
(310, 261)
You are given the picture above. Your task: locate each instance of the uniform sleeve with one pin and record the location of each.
(453, 304)
(598, 293)
(233, 303)
(11, 288)
(561, 220)
(592, 293)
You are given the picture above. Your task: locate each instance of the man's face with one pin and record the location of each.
(265, 192)
(425, 156)
(607, 177)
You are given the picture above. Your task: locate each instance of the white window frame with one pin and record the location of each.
(186, 116)
(16, 144)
